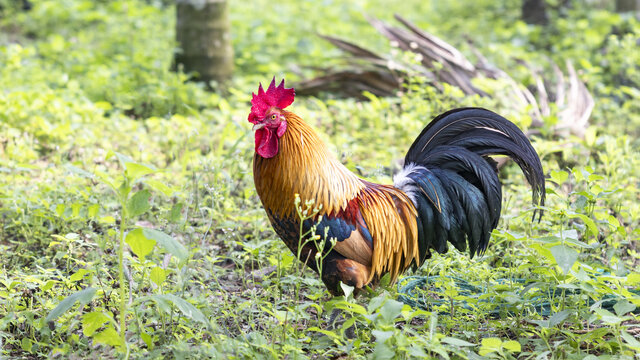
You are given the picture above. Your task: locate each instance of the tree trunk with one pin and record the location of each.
(204, 37)
(628, 6)
(535, 12)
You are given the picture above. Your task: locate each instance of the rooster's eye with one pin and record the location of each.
(273, 117)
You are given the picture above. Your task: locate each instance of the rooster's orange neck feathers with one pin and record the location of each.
(303, 166)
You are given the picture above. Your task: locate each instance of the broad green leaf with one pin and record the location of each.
(139, 203)
(105, 178)
(122, 158)
(48, 285)
(375, 303)
(382, 351)
(26, 344)
(559, 176)
(158, 275)
(83, 296)
(591, 225)
(78, 275)
(391, 309)
(185, 307)
(559, 317)
(351, 307)
(633, 279)
(93, 210)
(108, 336)
(134, 170)
(159, 186)
(630, 340)
(381, 336)
(175, 215)
(490, 345)
(123, 190)
(582, 275)
(93, 321)
(417, 352)
(607, 317)
(148, 340)
(565, 257)
(167, 242)
(330, 334)
(512, 346)
(623, 307)
(140, 244)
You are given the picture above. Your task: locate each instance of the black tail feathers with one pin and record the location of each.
(454, 183)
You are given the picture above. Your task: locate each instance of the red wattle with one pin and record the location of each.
(266, 143)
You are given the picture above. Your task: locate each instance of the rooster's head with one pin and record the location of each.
(267, 117)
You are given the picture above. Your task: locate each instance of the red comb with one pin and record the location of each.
(276, 96)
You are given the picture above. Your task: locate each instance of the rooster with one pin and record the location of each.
(447, 191)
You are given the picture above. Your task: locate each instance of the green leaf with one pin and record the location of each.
(328, 333)
(559, 317)
(167, 242)
(140, 244)
(375, 303)
(134, 170)
(93, 321)
(123, 190)
(185, 307)
(48, 285)
(109, 337)
(382, 351)
(589, 223)
(148, 340)
(350, 307)
(78, 275)
(607, 317)
(159, 186)
(381, 336)
(158, 275)
(83, 296)
(175, 215)
(565, 257)
(623, 307)
(139, 203)
(391, 309)
(93, 210)
(512, 346)
(559, 177)
(630, 340)
(633, 279)
(490, 345)
(26, 344)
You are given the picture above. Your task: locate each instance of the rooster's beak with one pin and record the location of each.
(258, 127)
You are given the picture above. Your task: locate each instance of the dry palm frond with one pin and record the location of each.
(440, 62)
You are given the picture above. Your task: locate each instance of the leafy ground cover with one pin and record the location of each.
(101, 145)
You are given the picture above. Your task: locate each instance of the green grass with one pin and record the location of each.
(98, 139)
